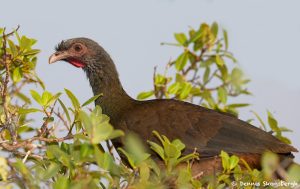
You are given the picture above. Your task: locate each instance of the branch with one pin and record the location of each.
(11, 33)
(44, 129)
(28, 143)
(8, 119)
(65, 123)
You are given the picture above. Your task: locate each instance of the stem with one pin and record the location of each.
(8, 117)
(44, 129)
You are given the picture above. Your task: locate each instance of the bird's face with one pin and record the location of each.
(78, 51)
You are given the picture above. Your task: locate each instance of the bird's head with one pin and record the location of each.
(80, 52)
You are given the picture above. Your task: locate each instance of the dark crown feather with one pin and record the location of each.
(60, 46)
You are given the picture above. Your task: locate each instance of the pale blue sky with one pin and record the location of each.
(263, 35)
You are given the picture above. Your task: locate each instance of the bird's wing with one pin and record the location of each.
(206, 130)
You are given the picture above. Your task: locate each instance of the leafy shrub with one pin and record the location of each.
(64, 152)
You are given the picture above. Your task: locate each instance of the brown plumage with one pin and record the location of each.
(206, 130)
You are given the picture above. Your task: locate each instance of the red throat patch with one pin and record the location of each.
(76, 63)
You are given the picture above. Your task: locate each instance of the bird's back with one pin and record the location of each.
(206, 130)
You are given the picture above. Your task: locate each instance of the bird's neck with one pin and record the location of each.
(104, 80)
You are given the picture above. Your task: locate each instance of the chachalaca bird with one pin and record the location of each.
(205, 130)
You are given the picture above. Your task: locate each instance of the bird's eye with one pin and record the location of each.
(77, 48)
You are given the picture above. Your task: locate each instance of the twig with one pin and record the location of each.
(71, 128)
(28, 142)
(11, 33)
(26, 156)
(211, 77)
(65, 123)
(4, 141)
(45, 124)
(22, 154)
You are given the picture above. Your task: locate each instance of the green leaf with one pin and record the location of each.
(174, 88)
(260, 120)
(284, 129)
(214, 29)
(236, 75)
(97, 126)
(221, 186)
(188, 157)
(223, 177)
(73, 99)
(145, 95)
(270, 163)
(85, 150)
(222, 95)
(157, 135)
(165, 140)
(230, 56)
(206, 75)
(106, 161)
(196, 36)
(51, 171)
(29, 110)
(181, 61)
(48, 119)
(101, 132)
(196, 91)
(233, 161)
(115, 134)
(25, 43)
(23, 97)
(294, 173)
(81, 136)
(144, 172)
(65, 110)
(225, 35)
(21, 167)
(13, 48)
(171, 151)
(181, 38)
(129, 157)
(17, 75)
(53, 99)
(3, 168)
(206, 95)
(225, 160)
(157, 149)
(238, 105)
(54, 152)
(224, 72)
(178, 144)
(62, 182)
(179, 78)
(186, 89)
(24, 128)
(91, 100)
(31, 52)
(284, 139)
(46, 96)
(237, 173)
(273, 122)
(135, 149)
(161, 80)
(36, 96)
(17, 36)
(219, 60)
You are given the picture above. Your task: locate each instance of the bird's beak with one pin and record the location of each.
(57, 56)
